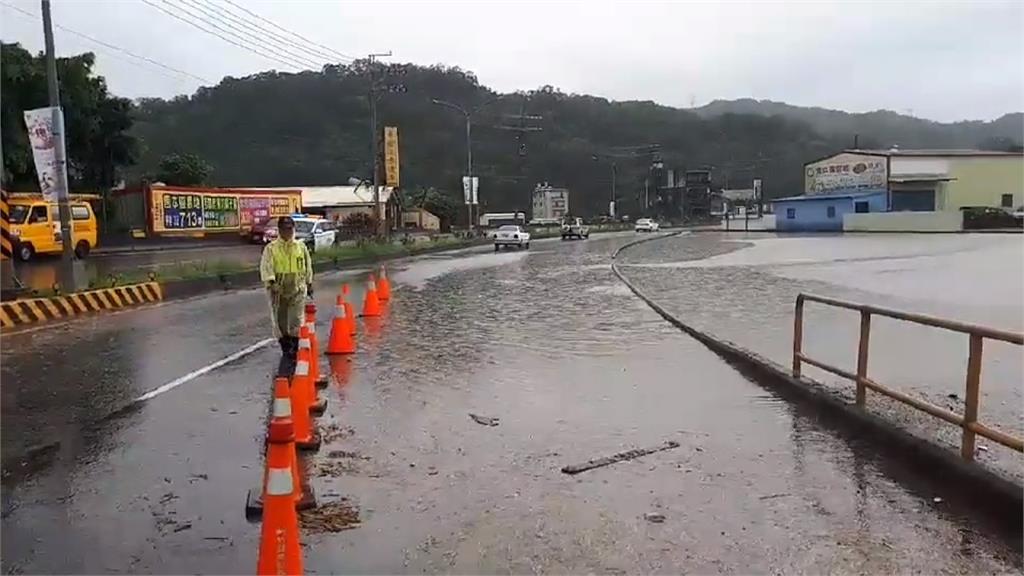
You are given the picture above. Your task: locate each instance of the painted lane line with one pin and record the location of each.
(204, 370)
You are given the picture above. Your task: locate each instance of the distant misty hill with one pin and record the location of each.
(883, 128)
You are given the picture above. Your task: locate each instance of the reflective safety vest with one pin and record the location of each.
(286, 257)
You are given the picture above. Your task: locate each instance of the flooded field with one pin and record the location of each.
(743, 288)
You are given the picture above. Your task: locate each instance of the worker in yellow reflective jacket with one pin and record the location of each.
(286, 271)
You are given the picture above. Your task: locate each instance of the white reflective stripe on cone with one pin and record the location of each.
(279, 482)
(282, 408)
(371, 285)
(339, 311)
(304, 343)
(302, 368)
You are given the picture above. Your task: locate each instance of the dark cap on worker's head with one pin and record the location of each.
(286, 222)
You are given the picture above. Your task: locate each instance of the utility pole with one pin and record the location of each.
(69, 282)
(375, 143)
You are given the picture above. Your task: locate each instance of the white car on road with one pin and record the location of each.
(510, 235)
(645, 225)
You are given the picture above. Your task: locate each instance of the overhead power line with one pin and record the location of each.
(247, 36)
(139, 58)
(306, 49)
(256, 51)
(327, 49)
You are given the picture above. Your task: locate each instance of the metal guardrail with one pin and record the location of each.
(968, 421)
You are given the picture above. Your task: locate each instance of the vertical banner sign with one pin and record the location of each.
(391, 156)
(40, 136)
(757, 189)
(470, 187)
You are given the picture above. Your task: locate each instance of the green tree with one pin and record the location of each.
(183, 170)
(97, 124)
(438, 203)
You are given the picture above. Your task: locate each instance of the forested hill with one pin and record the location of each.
(312, 128)
(883, 125)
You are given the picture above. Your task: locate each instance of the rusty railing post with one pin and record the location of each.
(971, 396)
(798, 334)
(862, 356)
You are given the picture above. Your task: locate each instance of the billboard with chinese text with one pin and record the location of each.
(846, 171)
(216, 210)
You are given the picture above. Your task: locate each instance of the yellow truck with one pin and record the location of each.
(35, 225)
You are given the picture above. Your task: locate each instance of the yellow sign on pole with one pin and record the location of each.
(391, 156)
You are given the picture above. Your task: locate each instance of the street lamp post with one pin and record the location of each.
(469, 152)
(468, 115)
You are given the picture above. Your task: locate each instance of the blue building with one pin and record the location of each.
(824, 212)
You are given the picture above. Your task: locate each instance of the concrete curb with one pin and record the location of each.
(37, 310)
(920, 465)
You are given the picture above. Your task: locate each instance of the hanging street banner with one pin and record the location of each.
(44, 151)
(470, 187)
(391, 156)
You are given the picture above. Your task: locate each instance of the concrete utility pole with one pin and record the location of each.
(68, 281)
(375, 143)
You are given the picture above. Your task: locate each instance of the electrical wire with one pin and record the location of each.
(269, 35)
(245, 35)
(329, 50)
(115, 48)
(224, 38)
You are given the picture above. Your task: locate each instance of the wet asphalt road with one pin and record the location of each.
(574, 366)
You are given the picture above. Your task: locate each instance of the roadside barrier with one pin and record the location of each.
(371, 304)
(305, 354)
(279, 537)
(304, 496)
(36, 310)
(383, 285)
(306, 437)
(341, 341)
(314, 344)
(968, 421)
(349, 311)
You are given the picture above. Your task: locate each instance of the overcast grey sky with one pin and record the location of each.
(939, 60)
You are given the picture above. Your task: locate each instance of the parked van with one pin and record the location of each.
(35, 227)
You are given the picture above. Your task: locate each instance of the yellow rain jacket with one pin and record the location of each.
(285, 270)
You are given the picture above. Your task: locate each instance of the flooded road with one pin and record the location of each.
(744, 287)
(549, 343)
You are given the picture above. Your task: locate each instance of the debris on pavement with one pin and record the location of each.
(655, 517)
(484, 420)
(937, 500)
(182, 527)
(333, 517)
(628, 455)
(771, 496)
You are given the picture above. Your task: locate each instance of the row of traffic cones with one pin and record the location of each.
(291, 429)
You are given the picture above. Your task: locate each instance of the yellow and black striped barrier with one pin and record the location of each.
(35, 310)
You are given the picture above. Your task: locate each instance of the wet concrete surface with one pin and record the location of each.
(547, 341)
(744, 287)
(43, 271)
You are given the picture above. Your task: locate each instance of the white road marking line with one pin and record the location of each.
(197, 373)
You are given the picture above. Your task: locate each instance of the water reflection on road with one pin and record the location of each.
(743, 287)
(576, 368)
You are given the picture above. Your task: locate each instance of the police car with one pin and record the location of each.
(315, 231)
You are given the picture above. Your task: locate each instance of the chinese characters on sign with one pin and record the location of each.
(391, 156)
(44, 151)
(220, 211)
(846, 172)
(182, 211)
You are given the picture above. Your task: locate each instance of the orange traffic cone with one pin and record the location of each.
(371, 305)
(383, 286)
(341, 341)
(304, 498)
(316, 405)
(349, 312)
(305, 437)
(314, 347)
(279, 537)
